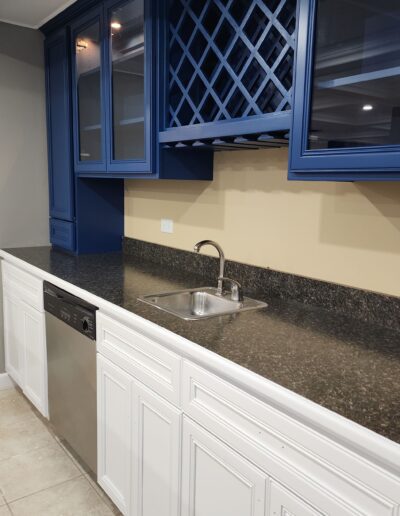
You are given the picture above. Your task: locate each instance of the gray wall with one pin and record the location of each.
(23, 147)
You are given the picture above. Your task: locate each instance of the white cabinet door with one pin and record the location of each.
(114, 431)
(216, 481)
(156, 454)
(35, 357)
(13, 338)
(285, 503)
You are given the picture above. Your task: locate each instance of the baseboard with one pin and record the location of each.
(6, 382)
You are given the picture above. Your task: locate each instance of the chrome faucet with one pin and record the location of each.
(236, 289)
(197, 248)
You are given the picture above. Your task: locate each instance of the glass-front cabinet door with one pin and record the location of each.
(346, 117)
(88, 94)
(128, 80)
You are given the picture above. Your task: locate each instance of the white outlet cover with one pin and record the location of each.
(167, 226)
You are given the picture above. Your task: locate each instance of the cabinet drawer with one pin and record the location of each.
(145, 359)
(286, 449)
(23, 284)
(62, 234)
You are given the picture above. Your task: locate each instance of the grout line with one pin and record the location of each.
(74, 461)
(106, 500)
(44, 489)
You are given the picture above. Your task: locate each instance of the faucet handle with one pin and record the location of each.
(236, 288)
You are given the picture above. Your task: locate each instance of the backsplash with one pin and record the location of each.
(263, 283)
(346, 233)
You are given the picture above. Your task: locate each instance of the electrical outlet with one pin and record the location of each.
(167, 226)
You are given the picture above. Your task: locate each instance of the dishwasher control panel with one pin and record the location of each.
(72, 310)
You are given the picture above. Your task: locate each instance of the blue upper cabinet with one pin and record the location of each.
(129, 86)
(112, 69)
(88, 92)
(227, 73)
(346, 112)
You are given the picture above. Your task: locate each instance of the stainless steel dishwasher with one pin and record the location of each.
(71, 362)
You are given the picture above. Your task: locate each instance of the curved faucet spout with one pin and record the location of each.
(197, 248)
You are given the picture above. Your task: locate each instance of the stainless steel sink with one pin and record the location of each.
(202, 303)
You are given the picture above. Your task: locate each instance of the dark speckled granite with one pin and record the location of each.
(345, 365)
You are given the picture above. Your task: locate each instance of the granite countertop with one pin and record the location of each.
(348, 366)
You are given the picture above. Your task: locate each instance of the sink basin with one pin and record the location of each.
(202, 303)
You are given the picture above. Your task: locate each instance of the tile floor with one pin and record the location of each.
(38, 475)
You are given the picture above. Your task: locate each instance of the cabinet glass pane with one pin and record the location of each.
(88, 60)
(356, 80)
(127, 47)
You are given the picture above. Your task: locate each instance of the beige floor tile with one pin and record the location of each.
(5, 511)
(114, 509)
(75, 459)
(13, 408)
(9, 393)
(73, 498)
(2, 501)
(30, 472)
(23, 435)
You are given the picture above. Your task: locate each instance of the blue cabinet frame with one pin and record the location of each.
(93, 16)
(61, 180)
(379, 163)
(107, 165)
(146, 165)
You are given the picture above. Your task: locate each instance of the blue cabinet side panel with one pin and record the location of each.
(61, 186)
(100, 215)
(62, 234)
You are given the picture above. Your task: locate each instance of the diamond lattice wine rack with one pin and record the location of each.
(229, 73)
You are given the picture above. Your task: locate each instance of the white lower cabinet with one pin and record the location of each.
(156, 454)
(178, 440)
(284, 503)
(13, 340)
(217, 481)
(114, 423)
(25, 348)
(139, 438)
(35, 359)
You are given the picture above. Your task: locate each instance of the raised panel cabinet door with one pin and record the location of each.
(217, 481)
(285, 503)
(114, 432)
(34, 345)
(156, 452)
(13, 339)
(58, 91)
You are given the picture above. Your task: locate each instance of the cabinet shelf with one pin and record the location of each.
(360, 78)
(131, 121)
(94, 127)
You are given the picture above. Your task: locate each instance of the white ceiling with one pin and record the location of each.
(31, 13)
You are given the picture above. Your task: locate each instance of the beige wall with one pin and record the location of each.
(345, 233)
(23, 151)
